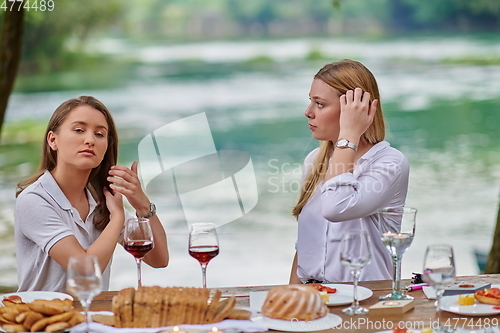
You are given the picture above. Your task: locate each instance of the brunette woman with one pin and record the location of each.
(73, 204)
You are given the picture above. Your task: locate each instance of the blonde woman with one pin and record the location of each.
(73, 204)
(348, 178)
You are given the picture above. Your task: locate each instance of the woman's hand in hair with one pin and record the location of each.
(126, 182)
(114, 202)
(356, 113)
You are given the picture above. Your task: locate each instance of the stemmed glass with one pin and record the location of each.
(355, 253)
(439, 269)
(203, 245)
(138, 241)
(84, 280)
(397, 229)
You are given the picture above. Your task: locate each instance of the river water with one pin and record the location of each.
(443, 116)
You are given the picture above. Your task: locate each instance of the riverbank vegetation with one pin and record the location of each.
(56, 41)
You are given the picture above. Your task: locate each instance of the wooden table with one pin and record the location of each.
(423, 315)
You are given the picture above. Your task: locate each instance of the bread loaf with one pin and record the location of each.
(299, 302)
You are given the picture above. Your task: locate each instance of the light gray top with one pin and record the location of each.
(43, 216)
(350, 201)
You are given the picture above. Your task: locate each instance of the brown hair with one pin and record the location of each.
(342, 75)
(98, 177)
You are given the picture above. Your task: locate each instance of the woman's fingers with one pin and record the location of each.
(349, 95)
(358, 94)
(134, 167)
(123, 176)
(373, 109)
(122, 172)
(356, 98)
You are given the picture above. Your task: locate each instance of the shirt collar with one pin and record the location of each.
(374, 150)
(50, 185)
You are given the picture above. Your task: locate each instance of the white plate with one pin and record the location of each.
(344, 294)
(30, 296)
(329, 321)
(450, 304)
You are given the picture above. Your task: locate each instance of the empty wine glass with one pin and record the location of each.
(355, 253)
(203, 245)
(84, 280)
(397, 229)
(439, 269)
(138, 241)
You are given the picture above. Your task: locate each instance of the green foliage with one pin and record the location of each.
(455, 14)
(261, 59)
(56, 41)
(315, 54)
(473, 60)
(48, 35)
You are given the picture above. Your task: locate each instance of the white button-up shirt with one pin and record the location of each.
(350, 201)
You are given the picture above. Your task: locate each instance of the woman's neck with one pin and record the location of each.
(72, 182)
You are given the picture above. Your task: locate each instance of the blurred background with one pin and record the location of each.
(249, 65)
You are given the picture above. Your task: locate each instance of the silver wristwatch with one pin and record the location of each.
(344, 143)
(152, 211)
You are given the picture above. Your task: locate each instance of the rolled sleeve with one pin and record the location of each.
(346, 197)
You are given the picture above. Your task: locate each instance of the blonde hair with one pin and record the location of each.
(98, 177)
(342, 75)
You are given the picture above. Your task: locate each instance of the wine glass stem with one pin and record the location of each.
(204, 274)
(355, 278)
(86, 306)
(139, 274)
(439, 295)
(396, 281)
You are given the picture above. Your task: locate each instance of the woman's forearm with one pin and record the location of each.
(294, 278)
(159, 256)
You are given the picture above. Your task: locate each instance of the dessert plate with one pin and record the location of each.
(344, 294)
(327, 322)
(450, 304)
(30, 296)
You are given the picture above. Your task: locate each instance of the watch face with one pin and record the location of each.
(342, 143)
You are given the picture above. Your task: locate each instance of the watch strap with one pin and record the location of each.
(152, 211)
(344, 143)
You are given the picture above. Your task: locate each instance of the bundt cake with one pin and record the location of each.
(294, 301)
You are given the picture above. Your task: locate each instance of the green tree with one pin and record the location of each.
(10, 55)
(48, 33)
(465, 15)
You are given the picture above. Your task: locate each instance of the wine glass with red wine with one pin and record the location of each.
(138, 241)
(203, 245)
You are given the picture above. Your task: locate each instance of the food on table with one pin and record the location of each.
(323, 291)
(239, 314)
(13, 299)
(466, 299)
(289, 302)
(38, 316)
(104, 319)
(399, 330)
(488, 296)
(324, 296)
(157, 306)
(320, 287)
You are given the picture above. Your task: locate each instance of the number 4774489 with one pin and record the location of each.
(35, 5)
